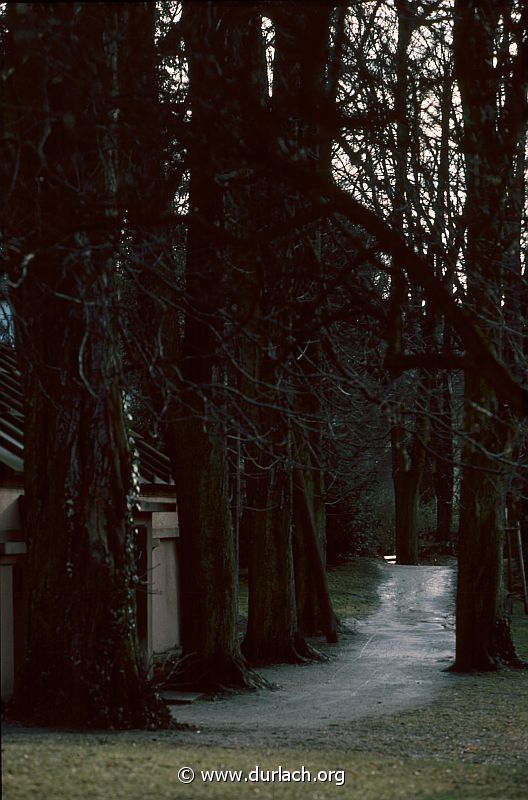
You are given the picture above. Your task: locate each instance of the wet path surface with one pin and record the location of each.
(394, 662)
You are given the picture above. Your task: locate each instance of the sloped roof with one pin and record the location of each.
(154, 466)
(11, 412)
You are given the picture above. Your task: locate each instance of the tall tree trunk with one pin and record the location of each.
(150, 259)
(441, 401)
(303, 91)
(272, 633)
(314, 607)
(407, 453)
(482, 499)
(442, 446)
(62, 227)
(490, 142)
(211, 649)
(408, 468)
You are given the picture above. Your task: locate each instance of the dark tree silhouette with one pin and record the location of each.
(62, 225)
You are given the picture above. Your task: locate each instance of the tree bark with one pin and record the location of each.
(151, 257)
(407, 453)
(441, 400)
(82, 665)
(315, 614)
(272, 634)
(490, 143)
(303, 91)
(481, 533)
(273, 627)
(442, 446)
(211, 651)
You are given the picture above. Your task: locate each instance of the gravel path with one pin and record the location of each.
(394, 662)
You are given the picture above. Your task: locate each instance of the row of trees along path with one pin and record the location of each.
(261, 230)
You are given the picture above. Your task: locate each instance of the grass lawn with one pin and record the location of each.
(352, 586)
(472, 744)
(60, 766)
(520, 629)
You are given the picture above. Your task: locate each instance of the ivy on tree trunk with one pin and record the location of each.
(82, 664)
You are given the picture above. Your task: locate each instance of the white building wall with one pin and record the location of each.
(165, 596)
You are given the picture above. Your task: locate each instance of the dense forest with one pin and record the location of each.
(288, 241)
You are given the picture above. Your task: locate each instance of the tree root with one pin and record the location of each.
(210, 674)
(296, 651)
(147, 711)
(483, 664)
(502, 654)
(505, 648)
